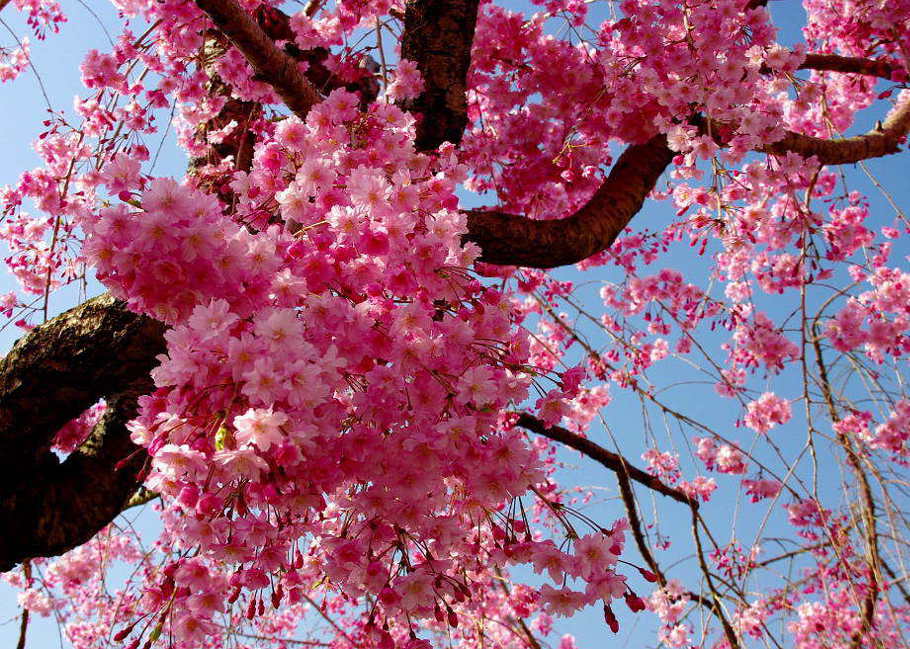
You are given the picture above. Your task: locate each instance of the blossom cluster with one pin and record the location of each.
(334, 426)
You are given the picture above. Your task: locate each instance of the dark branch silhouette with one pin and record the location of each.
(97, 350)
(438, 35)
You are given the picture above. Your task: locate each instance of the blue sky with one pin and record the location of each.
(22, 106)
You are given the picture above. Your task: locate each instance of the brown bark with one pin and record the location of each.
(277, 26)
(64, 366)
(272, 65)
(438, 35)
(848, 65)
(510, 239)
(56, 506)
(874, 144)
(613, 461)
(97, 350)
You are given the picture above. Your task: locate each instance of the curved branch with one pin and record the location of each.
(438, 35)
(271, 64)
(510, 239)
(96, 350)
(878, 142)
(59, 506)
(64, 366)
(506, 239)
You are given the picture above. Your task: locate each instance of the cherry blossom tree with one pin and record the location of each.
(354, 399)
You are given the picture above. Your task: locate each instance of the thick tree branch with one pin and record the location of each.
(271, 64)
(438, 35)
(874, 144)
(849, 65)
(61, 505)
(96, 350)
(63, 367)
(613, 461)
(505, 239)
(510, 239)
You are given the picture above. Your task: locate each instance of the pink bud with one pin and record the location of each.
(635, 602)
(648, 575)
(610, 618)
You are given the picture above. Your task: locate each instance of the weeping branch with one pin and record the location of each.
(625, 473)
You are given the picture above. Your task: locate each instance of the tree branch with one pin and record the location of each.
(96, 350)
(63, 505)
(64, 366)
(506, 239)
(613, 461)
(271, 64)
(438, 35)
(849, 65)
(510, 239)
(874, 144)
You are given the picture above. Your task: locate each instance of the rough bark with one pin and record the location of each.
(438, 35)
(96, 350)
(272, 65)
(510, 239)
(64, 366)
(56, 506)
(878, 142)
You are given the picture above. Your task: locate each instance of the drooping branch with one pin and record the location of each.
(613, 461)
(438, 35)
(270, 63)
(625, 474)
(510, 239)
(96, 350)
